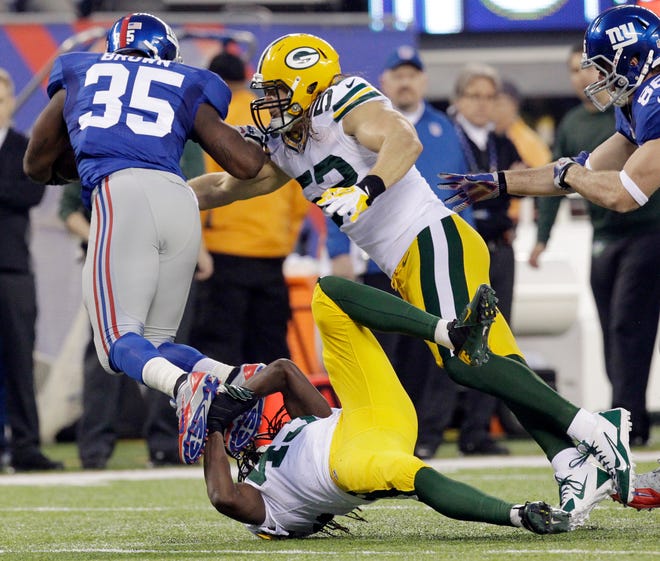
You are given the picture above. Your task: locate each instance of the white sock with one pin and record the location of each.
(219, 369)
(582, 425)
(561, 462)
(441, 335)
(160, 374)
(514, 516)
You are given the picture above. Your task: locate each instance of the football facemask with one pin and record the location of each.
(622, 43)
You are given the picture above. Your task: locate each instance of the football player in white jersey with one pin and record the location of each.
(326, 462)
(354, 156)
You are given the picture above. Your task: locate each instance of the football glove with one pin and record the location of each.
(563, 165)
(472, 188)
(351, 201)
(230, 402)
(253, 134)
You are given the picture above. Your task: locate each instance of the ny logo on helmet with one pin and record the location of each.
(622, 35)
(302, 57)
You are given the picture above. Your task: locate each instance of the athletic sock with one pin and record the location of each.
(582, 425)
(460, 501)
(161, 375)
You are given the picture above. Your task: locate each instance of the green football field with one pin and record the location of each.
(128, 514)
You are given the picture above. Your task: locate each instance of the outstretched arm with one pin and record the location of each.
(220, 188)
(300, 396)
(240, 157)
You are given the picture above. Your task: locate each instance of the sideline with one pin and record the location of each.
(443, 465)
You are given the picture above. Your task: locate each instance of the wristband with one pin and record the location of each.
(562, 174)
(372, 186)
(501, 180)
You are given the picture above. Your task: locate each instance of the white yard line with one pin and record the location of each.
(83, 478)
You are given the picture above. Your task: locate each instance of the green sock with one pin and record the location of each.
(543, 413)
(458, 500)
(379, 310)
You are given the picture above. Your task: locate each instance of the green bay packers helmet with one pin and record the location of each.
(292, 71)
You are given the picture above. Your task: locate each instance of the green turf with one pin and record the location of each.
(171, 519)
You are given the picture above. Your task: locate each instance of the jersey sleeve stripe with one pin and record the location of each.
(351, 93)
(339, 115)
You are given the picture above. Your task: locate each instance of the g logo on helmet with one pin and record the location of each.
(302, 57)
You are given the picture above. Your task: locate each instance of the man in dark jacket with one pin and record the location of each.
(18, 305)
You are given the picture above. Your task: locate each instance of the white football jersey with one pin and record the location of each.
(332, 158)
(293, 476)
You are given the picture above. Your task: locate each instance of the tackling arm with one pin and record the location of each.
(221, 188)
(240, 157)
(240, 501)
(621, 191)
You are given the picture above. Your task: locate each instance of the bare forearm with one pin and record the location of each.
(536, 182)
(220, 188)
(236, 500)
(603, 188)
(300, 395)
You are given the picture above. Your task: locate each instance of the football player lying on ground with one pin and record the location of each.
(327, 462)
(375, 410)
(355, 157)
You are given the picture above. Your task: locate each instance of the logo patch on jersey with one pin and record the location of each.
(622, 35)
(302, 57)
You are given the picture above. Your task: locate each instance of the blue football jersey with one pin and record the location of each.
(127, 111)
(645, 122)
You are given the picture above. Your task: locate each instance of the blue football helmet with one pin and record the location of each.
(143, 33)
(623, 44)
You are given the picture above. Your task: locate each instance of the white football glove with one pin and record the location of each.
(344, 201)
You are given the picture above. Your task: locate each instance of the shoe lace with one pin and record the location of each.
(593, 450)
(567, 485)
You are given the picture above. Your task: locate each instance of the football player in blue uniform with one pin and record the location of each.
(127, 114)
(623, 173)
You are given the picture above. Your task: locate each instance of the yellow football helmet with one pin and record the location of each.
(292, 71)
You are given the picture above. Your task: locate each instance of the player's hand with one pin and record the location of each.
(472, 188)
(230, 402)
(562, 166)
(253, 134)
(344, 201)
(235, 392)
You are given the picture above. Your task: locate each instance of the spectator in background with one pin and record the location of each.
(624, 254)
(531, 147)
(241, 311)
(473, 109)
(18, 299)
(102, 395)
